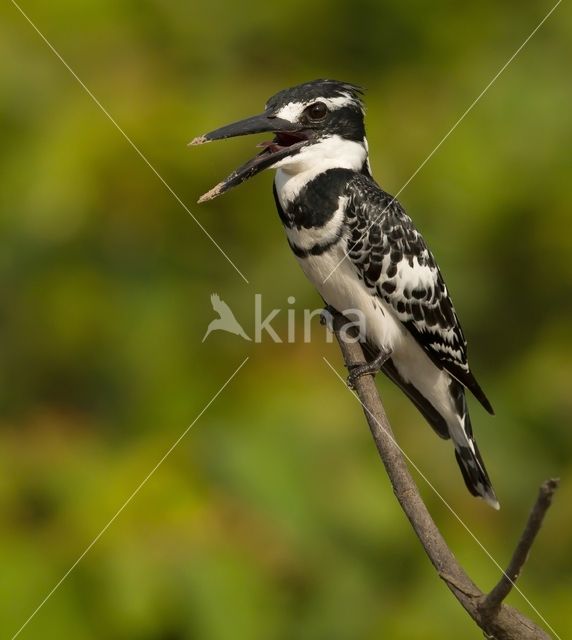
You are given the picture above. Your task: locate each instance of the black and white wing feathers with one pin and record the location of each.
(392, 258)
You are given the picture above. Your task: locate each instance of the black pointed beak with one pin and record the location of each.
(255, 124)
(288, 140)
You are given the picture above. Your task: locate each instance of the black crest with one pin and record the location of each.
(317, 89)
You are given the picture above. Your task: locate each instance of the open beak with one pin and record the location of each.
(288, 139)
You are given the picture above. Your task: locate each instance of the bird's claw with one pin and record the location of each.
(372, 367)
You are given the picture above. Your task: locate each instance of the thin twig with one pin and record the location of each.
(501, 623)
(533, 524)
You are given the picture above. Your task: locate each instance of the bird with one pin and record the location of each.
(226, 320)
(360, 249)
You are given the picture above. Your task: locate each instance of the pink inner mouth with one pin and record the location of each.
(282, 141)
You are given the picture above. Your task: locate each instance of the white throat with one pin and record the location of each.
(333, 152)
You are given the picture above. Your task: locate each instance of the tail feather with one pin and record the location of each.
(457, 425)
(475, 475)
(467, 452)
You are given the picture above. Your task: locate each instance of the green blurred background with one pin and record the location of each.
(273, 518)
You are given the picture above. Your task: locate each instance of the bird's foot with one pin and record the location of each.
(367, 368)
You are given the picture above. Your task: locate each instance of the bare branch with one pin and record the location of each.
(501, 621)
(533, 524)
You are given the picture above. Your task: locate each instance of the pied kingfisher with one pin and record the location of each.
(360, 249)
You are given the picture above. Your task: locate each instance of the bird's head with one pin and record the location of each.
(318, 123)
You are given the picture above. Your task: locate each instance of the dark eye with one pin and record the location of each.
(317, 111)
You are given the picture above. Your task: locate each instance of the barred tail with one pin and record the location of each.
(451, 420)
(468, 455)
(475, 475)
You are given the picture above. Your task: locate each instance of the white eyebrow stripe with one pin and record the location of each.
(339, 101)
(293, 110)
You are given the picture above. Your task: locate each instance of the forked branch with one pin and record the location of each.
(496, 619)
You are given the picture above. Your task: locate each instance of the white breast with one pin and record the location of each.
(344, 291)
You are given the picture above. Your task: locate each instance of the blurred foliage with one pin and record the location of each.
(273, 517)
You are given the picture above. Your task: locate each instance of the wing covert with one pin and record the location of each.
(392, 258)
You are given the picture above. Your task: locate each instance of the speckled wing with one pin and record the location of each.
(392, 258)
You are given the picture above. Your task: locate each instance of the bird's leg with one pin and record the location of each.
(359, 368)
(367, 368)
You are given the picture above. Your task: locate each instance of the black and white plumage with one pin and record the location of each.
(359, 248)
